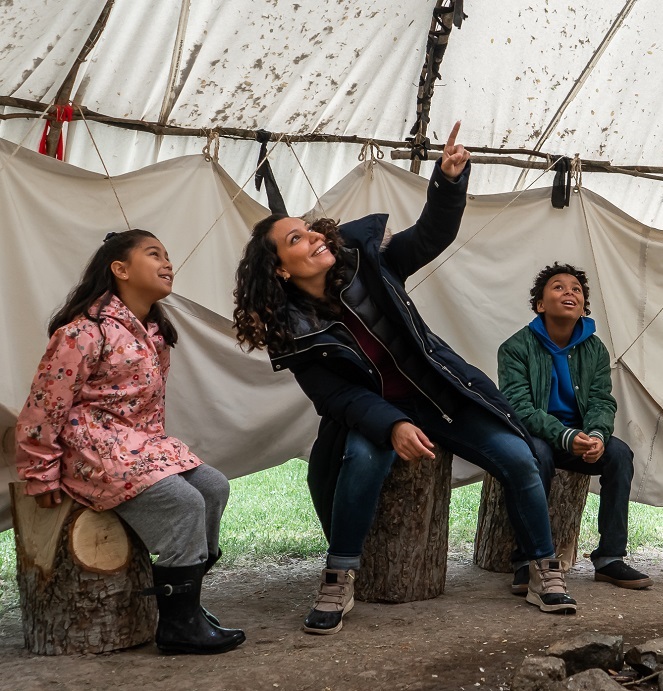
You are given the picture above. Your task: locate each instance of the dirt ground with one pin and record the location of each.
(472, 637)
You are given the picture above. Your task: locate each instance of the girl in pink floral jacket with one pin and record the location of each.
(93, 427)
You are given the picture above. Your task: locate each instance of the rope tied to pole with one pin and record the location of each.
(372, 150)
(213, 141)
(225, 208)
(419, 147)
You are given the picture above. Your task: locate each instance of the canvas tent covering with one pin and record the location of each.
(156, 77)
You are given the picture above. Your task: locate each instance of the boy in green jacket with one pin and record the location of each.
(556, 374)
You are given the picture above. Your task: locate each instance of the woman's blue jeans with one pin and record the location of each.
(365, 467)
(475, 435)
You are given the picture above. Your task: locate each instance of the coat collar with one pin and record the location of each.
(364, 232)
(119, 312)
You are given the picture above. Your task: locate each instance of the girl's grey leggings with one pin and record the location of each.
(178, 517)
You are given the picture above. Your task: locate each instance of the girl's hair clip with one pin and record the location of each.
(109, 236)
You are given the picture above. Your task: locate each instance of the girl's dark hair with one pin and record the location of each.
(548, 272)
(261, 296)
(97, 280)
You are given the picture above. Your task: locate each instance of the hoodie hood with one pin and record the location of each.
(584, 328)
(562, 402)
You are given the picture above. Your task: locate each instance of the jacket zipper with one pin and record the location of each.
(445, 368)
(444, 415)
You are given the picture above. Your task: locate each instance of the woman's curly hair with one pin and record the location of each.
(261, 296)
(547, 273)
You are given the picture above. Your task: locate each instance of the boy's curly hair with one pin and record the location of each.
(547, 273)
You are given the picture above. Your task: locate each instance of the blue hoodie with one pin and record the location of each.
(562, 402)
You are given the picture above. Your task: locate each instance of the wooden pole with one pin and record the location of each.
(64, 94)
(401, 149)
(436, 46)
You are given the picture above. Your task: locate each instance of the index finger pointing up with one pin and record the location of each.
(454, 133)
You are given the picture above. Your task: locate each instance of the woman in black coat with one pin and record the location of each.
(329, 304)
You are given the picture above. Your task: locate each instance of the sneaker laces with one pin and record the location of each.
(334, 593)
(552, 580)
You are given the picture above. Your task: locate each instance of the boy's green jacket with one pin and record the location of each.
(524, 370)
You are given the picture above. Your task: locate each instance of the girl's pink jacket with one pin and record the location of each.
(95, 429)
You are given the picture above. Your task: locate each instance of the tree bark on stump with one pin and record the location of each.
(495, 541)
(80, 574)
(405, 555)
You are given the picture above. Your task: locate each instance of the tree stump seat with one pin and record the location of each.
(495, 540)
(80, 576)
(405, 555)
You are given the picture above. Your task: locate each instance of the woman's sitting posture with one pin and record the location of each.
(329, 304)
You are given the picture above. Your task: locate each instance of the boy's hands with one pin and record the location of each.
(590, 449)
(596, 452)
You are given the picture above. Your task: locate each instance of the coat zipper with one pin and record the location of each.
(445, 368)
(444, 415)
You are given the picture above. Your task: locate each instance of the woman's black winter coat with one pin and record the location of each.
(342, 382)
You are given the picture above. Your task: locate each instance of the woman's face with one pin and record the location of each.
(303, 253)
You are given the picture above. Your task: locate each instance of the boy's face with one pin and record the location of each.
(562, 298)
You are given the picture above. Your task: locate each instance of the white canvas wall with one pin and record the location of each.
(229, 406)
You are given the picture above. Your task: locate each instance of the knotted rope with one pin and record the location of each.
(213, 141)
(370, 148)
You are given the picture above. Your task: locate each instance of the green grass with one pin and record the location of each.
(270, 518)
(8, 587)
(645, 528)
(645, 524)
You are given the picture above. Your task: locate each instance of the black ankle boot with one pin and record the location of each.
(335, 599)
(182, 626)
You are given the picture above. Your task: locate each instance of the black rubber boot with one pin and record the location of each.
(182, 626)
(211, 560)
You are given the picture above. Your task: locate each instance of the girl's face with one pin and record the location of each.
(562, 298)
(303, 253)
(147, 271)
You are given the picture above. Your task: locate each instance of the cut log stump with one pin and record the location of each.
(80, 574)
(405, 555)
(495, 541)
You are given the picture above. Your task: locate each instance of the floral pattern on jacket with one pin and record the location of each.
(93, 424)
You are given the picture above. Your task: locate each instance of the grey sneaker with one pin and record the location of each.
(547, 588)
(335, 598)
